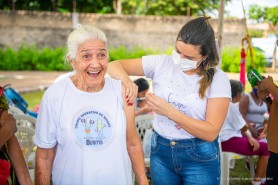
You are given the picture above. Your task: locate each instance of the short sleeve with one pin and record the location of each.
(153, 63)
(220, 86)
(46, 129)
(236, 117)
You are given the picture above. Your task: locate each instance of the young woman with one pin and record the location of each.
(191, 99)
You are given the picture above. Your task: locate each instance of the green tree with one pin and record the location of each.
(137, 7)
(266, 15)
(168, 7)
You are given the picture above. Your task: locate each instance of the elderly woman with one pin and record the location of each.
(85, 131)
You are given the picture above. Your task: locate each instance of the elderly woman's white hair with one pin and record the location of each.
(79, 35)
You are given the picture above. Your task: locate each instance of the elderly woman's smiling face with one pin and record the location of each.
(90, 65)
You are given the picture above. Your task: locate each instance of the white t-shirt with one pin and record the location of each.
(232, 124)
(89, 130)
(181, 91)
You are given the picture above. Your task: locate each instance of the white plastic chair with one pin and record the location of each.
(228, 162)
(25, 133)
(14, 110)
(143, 123)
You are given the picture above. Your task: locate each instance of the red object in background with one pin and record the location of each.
(4, 171)
(1, 91)
(242, 67)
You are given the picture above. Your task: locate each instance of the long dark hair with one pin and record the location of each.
(199, 32)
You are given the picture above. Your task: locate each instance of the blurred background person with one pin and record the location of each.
(265, 88)
(13, 168)
(253, 110)
(235, 137)
(141, 104)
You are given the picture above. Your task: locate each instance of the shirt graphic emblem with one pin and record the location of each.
(93, 129)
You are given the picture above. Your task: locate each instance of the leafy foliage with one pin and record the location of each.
(31, 58)
(48, 59)
(231, 60)
(264, 14)
(168, 7)
(123, 53)
(256, 33)
(137, 7)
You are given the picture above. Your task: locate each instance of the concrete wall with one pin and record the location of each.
(51, 29)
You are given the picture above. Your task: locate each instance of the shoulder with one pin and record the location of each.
(156, 59)
(156, 63)
(58, 86)
(114, 83)
(220, 74)
(244, 100)
(221, 78)
(115, 86)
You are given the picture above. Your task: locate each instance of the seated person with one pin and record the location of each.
(141, 104)
(253, 110)
(235, 138)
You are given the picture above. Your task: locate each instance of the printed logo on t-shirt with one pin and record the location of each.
(93, 128)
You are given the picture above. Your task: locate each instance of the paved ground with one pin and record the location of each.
(26, 81)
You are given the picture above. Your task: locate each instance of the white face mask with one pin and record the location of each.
(184, 63)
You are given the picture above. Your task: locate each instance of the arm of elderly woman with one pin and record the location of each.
(134, 146)
(44, 160)
(7, 130)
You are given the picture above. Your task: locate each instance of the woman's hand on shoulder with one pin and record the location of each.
(131, 91)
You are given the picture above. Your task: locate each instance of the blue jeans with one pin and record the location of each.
(184, 162)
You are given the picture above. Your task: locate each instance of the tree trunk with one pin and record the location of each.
(13, 5)
(73, 6)
(54, 5)
(220, 29)
(188, 11)
(117, 6)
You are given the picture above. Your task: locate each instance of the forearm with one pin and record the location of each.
(42, 173)
(43, 166)
(273, 90)
(137, 160)
(18, 162)
(247, 134)
(198, 128)
(116, 70)
(252, 129)
(4, 136)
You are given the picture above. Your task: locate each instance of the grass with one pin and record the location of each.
(33, 99)
(240, 175)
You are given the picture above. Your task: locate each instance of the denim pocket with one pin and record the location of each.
(206, 151)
